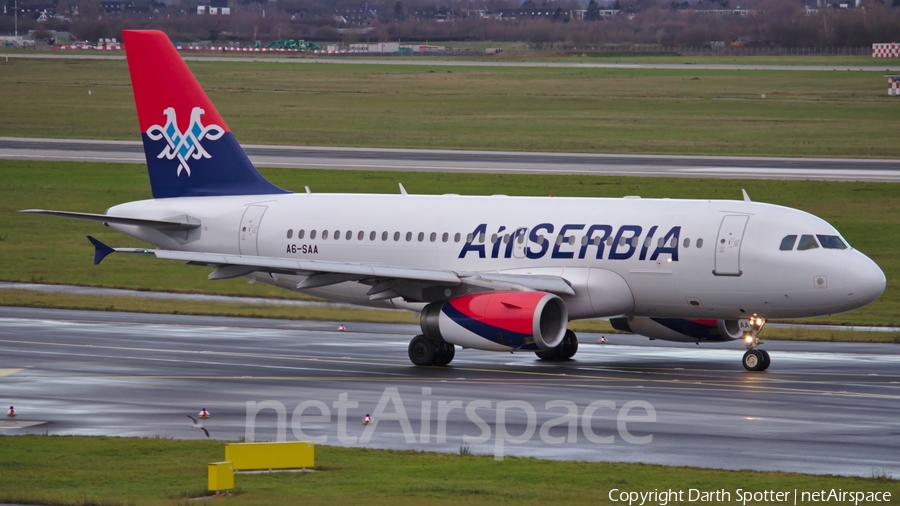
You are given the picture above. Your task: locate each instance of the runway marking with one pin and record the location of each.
(8, 372)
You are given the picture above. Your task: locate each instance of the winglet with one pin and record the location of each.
(402, 189)
(746, 197)
(100, 250)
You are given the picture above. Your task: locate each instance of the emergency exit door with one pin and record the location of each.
(249, 231)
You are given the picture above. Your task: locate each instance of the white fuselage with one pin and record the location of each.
(725, 262)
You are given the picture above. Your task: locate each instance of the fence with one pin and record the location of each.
(742, 50)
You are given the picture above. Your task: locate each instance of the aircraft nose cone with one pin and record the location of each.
(865, 281)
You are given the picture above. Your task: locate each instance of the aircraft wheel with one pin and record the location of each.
(445, 354)
(767, 361)
(422, 351)
(564, 351)
(569, 346)
(754, 360)
(548, 355)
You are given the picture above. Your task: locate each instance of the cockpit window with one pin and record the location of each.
(831, 242)
(807, 242)
(787, 243)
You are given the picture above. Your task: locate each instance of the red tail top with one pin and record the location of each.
(161, 80)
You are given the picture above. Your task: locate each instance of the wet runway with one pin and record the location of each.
(500, 162)
(820, 408)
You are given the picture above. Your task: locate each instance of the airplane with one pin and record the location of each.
(495, 273)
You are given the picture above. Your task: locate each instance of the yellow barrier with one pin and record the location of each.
(220, 476)
(254, 456)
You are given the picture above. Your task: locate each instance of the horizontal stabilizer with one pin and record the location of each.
(121, 220)
(101, 250)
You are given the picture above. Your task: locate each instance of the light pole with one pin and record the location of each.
(16, 17)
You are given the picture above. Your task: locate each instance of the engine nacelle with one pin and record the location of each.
(683, 329)
(498, 321)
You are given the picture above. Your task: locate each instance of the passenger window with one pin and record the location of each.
(456, 237)
(421, 236)
(807, 242)
(408, 236)
(396, 236)
(699, 243)
(337, 235)
(300, 234)
(493, 238)
(787, 243)
(433, 237)
(661, 242)
(828, 242)
(469, 237)
(372, 235)
(384, 236)
(687, 243)
(312, 234)
(559, 240)
(481, 237)
(349, 235)
(290, 233)
(360, 236)
(325, 234)
(445, 237)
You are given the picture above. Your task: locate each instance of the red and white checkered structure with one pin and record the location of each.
(890, 50)
(893, 85)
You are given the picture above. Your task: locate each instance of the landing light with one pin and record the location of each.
(748, 338)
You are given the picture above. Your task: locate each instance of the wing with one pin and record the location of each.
(386, 282)
(176, 224)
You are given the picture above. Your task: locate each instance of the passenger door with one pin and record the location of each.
(728, 245)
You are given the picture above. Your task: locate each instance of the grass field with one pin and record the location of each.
(99, 471)
(828, 114)
(51, 250)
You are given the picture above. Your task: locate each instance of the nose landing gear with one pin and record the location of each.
(755, 359)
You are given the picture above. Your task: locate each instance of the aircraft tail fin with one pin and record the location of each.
(190, 150)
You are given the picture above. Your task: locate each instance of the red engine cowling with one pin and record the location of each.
(681, 329)
(498, 321)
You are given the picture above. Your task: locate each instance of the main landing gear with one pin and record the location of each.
(426, 351)
(564, 351)
(755, 359)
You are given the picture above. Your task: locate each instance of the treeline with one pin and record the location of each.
(781, 23)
